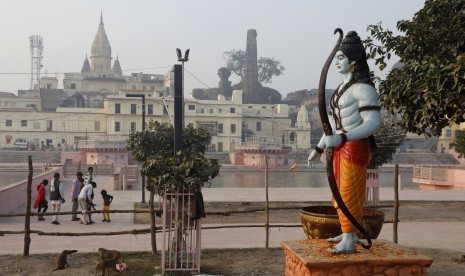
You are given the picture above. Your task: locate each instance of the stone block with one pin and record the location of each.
(312, 257)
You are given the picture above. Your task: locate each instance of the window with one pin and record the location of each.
(259, 126)
(49, 86)
(133, 108)
(9, 123)
(150, 109)
(117, 126)
(165, 109)
(117, 108)
(97, 125)
(152, 87)
(211, 110)
(233, 128)
(202, 110)
(24, 123)
(73, 86)
(232, 110)
(133, 126)
(191, 107)
(220, 128)
(220, 111)
(133, 87)
(144, 87)
(448, 133)
(49, 125)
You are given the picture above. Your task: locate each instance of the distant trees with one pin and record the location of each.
(388, 138)
(459, 142)
(428, 90)
(268, 67)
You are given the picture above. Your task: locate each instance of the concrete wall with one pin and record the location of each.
(14, 195)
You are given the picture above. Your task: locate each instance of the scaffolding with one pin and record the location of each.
(37, 49)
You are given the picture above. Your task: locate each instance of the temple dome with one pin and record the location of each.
(86, 66)
(117, 67)
(101, 50)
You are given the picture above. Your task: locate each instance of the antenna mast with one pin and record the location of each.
(37, 48)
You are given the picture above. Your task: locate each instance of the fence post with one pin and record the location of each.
(396, 202)
(267, 210)
(27, 219)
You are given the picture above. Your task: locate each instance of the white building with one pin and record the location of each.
(93, 106)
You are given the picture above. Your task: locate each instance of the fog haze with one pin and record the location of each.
(145, 34)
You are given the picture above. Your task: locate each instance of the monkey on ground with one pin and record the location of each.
(105, 265)
(62, 260)
(106, 254)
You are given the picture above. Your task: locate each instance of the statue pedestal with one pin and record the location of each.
(311, 257)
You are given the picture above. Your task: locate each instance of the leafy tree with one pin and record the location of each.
(269, 95)
(158, 140)
(206, 94)
(268, 67)
(427, 90)
(388, 138)
(459, 142)
(187, 169)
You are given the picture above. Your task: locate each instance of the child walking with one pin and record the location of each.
(41, 202)
(107, 199)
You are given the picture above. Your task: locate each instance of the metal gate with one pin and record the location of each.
(181, 233)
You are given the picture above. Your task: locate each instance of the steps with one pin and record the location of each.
(20, 156)
(223, 157)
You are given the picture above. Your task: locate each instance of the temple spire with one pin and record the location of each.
(100, 56)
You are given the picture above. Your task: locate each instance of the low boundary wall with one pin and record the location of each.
(12, 195)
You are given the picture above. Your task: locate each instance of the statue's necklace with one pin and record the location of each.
(334, 103)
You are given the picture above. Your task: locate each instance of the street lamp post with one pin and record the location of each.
(182, 60)
(143, 129)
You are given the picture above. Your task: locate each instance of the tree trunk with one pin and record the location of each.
(153, 227)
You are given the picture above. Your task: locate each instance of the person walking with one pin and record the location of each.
(107, 199)
(89, 177)
(84, 198)
(56, 196)
(41, 201)
(78, 184)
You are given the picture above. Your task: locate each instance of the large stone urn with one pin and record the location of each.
(322, 222)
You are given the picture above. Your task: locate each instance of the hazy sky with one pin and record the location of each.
(145, 34)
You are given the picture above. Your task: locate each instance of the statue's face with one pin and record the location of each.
(342, 63)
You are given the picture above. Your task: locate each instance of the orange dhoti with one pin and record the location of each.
(350, 170)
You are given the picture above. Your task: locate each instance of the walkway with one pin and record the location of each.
(411, 234)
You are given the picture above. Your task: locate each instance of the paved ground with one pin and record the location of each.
(418, 234)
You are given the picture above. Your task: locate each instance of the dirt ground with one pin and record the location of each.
(247, 261)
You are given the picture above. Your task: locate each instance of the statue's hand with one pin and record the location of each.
(333, 141)
(313, 159)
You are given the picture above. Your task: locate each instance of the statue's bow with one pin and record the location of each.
(330, 151)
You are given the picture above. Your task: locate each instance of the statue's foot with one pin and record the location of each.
(335, 239)
(339, 238)
(347, 244)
